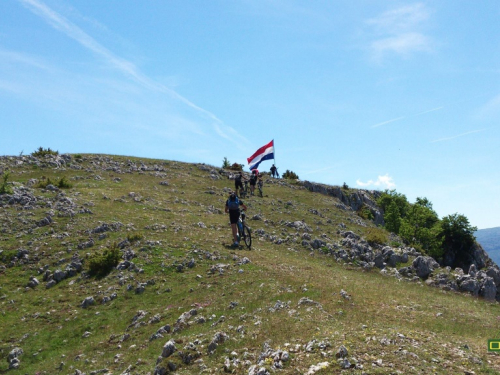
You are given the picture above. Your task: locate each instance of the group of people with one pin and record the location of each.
(233, 203)
(255, 178)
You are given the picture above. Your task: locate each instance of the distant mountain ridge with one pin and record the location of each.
(490, 241)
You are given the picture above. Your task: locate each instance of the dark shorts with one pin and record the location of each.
(234, 215)
(238, 184)
(252, 183)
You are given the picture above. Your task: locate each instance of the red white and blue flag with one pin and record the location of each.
(264, 153)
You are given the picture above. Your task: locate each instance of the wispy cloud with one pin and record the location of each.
(382, 181)
(401, 19)
(403, 45)
(127, 68)
(491, 109)
(458, 136)
(21, 58)
(399, 31)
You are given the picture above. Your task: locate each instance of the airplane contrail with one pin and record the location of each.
(458, 136)
(430, 110)
(60, 23)
(404, 117)
(387, 122)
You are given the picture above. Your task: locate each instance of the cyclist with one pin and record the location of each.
(253, 180)
(238, 183)
(233, 208)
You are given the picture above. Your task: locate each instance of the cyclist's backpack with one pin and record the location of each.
(233, 203)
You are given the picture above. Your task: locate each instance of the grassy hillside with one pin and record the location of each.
(490, 241)
(279, 306)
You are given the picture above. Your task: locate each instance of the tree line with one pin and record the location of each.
(448, 240)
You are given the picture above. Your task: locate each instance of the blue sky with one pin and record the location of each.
(377, 94)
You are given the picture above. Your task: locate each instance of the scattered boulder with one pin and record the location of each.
(219, 338)
(168, 349)
(469, 284)
(488, 289)
(89, 301)
(33, 282)
(424, 265)
(13, 358)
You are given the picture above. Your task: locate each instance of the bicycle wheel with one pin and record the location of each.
(247, 236)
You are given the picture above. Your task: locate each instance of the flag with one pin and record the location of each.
(264, 153)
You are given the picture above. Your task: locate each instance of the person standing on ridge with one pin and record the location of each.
(273, 171)
(233, 208)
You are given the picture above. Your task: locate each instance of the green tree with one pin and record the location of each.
(421, 227)
(458, 240)
(395, 206)
(225, 163)
(392, 218)
(389, 196)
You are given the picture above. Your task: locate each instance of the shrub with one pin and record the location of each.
(4, 187)
(134, 237)
(41, 152)
(102, 262)
(345, 186)
(61, 183)
(290, 175)
(225, 163)
(236, 167)
(43, 182)
(365, 213)
(376, 236)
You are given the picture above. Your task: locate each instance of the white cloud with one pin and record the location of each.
(385, 182)
(403, 44)
(399, 31)
(400, 20)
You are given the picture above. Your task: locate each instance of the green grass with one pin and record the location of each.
(382, 320)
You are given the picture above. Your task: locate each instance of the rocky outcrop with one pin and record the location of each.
(350, 199)
(475, 255)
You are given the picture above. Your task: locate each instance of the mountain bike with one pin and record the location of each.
(244, 230)
(260, 184)
(244, 190)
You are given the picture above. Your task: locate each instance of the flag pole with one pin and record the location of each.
(274, 154)
(274, 159)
